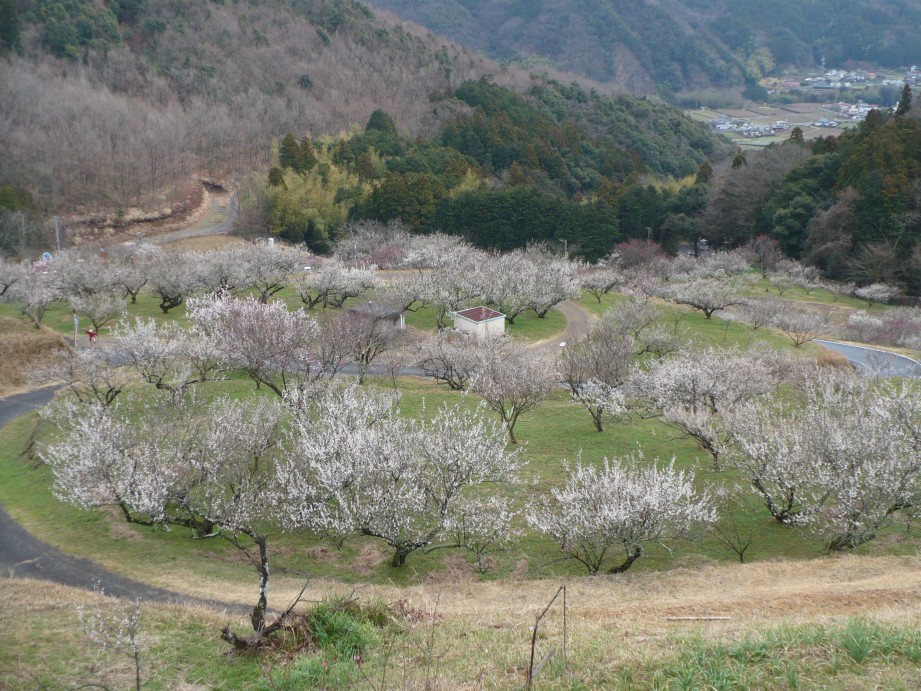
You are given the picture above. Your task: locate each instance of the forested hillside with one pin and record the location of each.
(112, 103)
(117, 105)
(674, 45)
(851, 205)
(556, 163)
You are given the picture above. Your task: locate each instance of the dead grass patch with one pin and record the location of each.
(368, 559)
(456, 570)
(205, 243)
(23, 347)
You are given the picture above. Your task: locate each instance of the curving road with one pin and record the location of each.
(22, 555)
(20, 404)
(880, 362)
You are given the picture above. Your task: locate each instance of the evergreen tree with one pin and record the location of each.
(704, 173)
(905, 101)
(289, 152)
(380, 121)
(9, 24)
(306, 158)
(277, 177)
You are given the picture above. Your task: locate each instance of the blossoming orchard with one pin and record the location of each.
(258, 403)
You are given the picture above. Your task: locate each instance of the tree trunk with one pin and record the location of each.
(632, 556)
(258, 615)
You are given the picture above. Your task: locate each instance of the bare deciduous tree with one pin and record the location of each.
(602, 359)
(450, 358)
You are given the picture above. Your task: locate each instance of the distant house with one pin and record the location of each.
(481, 322)
(385, 315)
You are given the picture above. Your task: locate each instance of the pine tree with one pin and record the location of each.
(288, 152)
(905, 101)
(306, 158)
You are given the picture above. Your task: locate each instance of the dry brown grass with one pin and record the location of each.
(205, 243)
(763, 592)
(22, 347)
(482, 628)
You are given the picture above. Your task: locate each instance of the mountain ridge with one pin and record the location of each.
(670, 46)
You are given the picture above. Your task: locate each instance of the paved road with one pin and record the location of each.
(14, 406)
(877, 361)
(22, 555)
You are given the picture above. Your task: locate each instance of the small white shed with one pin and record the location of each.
(481, 322)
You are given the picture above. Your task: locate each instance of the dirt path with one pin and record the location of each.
(578, 321)
(217, 221)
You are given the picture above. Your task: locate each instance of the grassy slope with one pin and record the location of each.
(785, 626)
(556, 431)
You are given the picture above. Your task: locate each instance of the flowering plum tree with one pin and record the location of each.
(10, 273)
(513, 380)
(620, 504)
(166, 355)
(100, 308)
(383, 475)
(693, 389)
(800, 327)
(174, 276)
(709, 294)
(173, 465)
(269, 342)
(36, 290)
(332, 283)
(599, 280)
(850, 449)
(876, 293)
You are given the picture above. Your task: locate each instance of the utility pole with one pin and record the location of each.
(57, 233)
(565, 246)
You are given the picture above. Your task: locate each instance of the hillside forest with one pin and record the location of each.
(145, 95)
(676, 46)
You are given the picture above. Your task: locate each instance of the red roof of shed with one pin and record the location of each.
(480, 314)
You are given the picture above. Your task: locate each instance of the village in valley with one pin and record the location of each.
(834, 100)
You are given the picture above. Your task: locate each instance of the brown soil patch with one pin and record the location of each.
(322, 554)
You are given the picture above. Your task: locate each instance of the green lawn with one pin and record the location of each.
(557, 432)
(703, 332)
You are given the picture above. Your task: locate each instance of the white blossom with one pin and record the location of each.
(620, 504)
